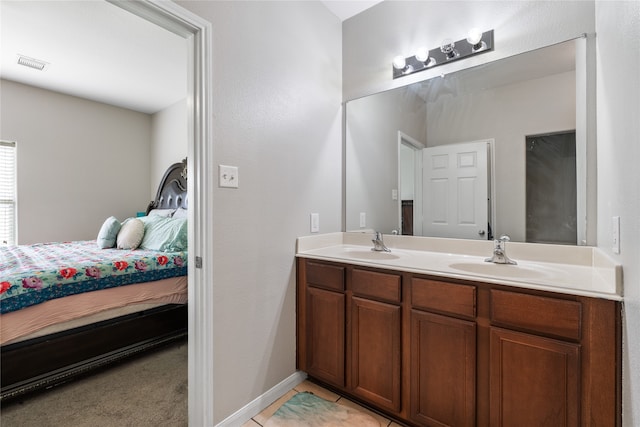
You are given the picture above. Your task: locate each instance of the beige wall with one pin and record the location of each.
(277, 116)
(169, 135)
(79, 162)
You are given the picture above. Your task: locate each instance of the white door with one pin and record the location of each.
(456, 190)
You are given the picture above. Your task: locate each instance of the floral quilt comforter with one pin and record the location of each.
(33, 274)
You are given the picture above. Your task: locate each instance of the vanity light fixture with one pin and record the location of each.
(474, 38)
(476, 42)
(448, 47)
(422, 55)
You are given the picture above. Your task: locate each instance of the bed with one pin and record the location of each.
(69, 308)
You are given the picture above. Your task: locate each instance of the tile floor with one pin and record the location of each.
(263, 416)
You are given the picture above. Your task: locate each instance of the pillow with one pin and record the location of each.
(180, 213)
(108, 233)
(161, 212)
(130, 234)
(165, 234)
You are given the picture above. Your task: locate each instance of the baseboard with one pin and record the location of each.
(256, 406)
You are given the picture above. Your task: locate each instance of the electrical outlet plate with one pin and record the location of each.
(363, 219)
(228, 176)
(615, 231)
(315, 222)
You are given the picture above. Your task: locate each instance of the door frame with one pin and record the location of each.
(404, 139)
(198, 32)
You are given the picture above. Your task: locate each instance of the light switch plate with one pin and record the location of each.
(228, 176)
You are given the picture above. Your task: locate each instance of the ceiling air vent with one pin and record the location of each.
(32, 63)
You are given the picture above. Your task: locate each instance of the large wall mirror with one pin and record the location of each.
(500, 148)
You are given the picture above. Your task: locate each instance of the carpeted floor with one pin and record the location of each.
(150, 390)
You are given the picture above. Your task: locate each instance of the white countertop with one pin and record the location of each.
(575, 270)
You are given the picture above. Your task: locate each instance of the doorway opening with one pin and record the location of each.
(551, 188)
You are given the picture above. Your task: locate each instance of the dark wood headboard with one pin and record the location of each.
(172, 192)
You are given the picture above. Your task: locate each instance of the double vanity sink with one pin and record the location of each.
(431, 334)
(576, 270)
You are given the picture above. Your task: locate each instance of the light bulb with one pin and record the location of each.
(422, 54)
(474, 36)
(399, 62)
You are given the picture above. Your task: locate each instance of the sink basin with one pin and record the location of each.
(368, 254)
(502, 270)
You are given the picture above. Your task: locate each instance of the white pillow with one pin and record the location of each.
(161, 212)
(130, 234)
(181, 213)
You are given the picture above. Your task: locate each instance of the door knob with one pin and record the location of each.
(481, 233)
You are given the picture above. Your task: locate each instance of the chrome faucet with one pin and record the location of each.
(500, 252)
(378, 243)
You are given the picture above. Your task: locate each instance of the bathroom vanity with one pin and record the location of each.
(432, 335)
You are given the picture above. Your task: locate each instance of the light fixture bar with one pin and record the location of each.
(445, 54)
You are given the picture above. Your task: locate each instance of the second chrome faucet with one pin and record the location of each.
(378, 243)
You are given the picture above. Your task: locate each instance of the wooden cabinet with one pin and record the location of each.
(325, 335)
(433, 351)
(375, 338)
(322, 336)
(443, 353)
(443, 370)
(535, 381)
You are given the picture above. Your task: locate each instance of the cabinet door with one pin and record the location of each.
(534, 381)
(443, 370)
(375, 352)
(325, 335)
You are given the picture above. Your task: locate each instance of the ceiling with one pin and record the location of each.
(98, 51)
(94, 50)
(346, 9)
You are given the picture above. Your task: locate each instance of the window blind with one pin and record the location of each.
(7, 193)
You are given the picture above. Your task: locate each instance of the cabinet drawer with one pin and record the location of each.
(325, 276)
(539, 314)
(444, 297)
(376, 285)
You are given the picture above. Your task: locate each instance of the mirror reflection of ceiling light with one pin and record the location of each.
(36, 64)
(448, 51)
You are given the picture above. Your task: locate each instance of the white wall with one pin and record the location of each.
(79, 162)
(169, 134)
(372, 155)
(277, 116)
(618, 95)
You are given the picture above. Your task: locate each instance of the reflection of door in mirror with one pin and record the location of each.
(410, 184)
(551, 188)
(456, 187)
